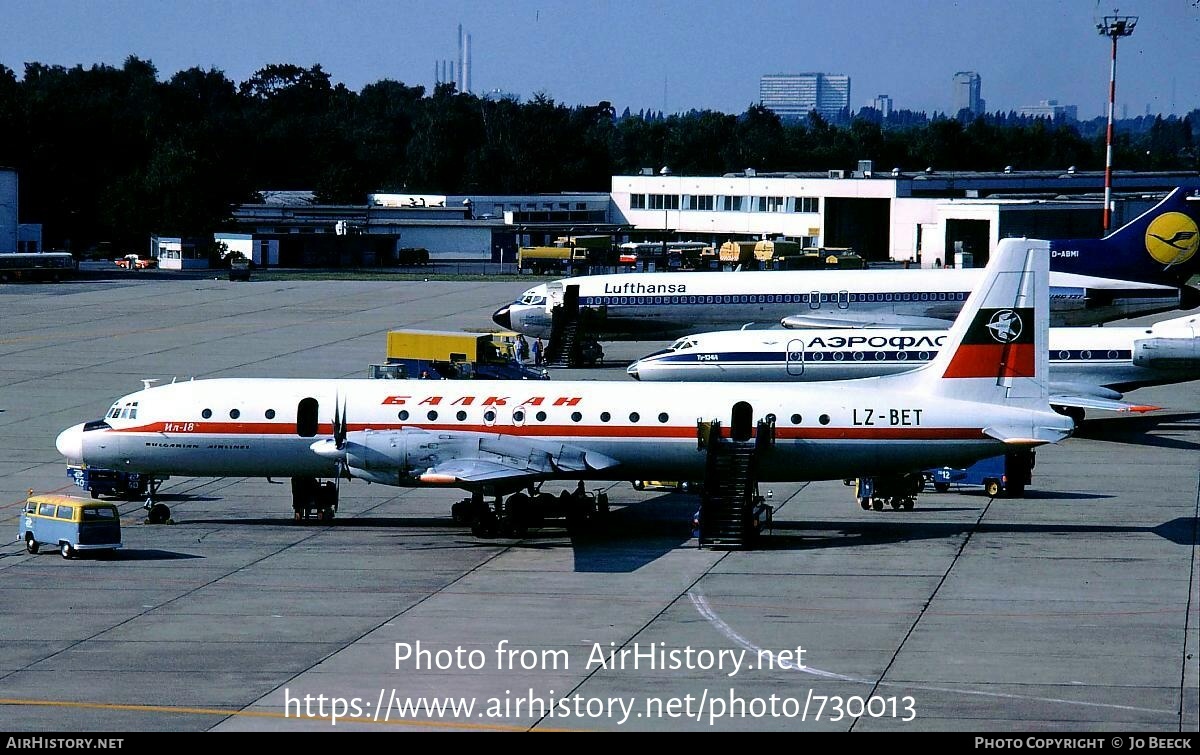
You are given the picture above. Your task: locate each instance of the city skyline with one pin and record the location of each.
(652, 54)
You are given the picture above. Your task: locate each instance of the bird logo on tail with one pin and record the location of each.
(1172, 238)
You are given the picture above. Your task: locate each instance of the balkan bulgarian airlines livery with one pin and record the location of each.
(986, 391)
(1139, 269)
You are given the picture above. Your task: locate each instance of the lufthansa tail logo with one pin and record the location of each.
(1172, 238)
(1005, 326)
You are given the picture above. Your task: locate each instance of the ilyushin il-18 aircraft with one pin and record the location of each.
(1141, 268)
(1090, 368)
(986, 392)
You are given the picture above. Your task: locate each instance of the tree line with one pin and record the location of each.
(115, 154)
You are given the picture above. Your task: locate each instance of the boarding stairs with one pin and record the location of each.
(732, 513)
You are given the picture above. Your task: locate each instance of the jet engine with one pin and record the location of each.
(1167, 353)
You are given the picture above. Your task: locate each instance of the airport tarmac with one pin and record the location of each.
(1073, 609)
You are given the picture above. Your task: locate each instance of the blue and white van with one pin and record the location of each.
(70, 524)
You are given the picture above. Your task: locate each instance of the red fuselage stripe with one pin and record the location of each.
(577, 431)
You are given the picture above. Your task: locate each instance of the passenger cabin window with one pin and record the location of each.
(47, 509)
(306, 417)
(64, 512)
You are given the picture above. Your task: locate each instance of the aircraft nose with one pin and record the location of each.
(632, 371)
(70, 443)
(503, 317)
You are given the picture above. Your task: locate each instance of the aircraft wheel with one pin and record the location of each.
(461, 512)
(908, 504)
(865, 503)
(992, 488)
(31, 545)
(160, 513)
(895, 503)
(877, 504)
(639, 485)
(66, 550)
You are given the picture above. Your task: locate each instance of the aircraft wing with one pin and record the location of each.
(448, 457)
(474, 470)
(492, 458)
(864, 320)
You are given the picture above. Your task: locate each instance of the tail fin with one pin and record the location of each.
(1159, 246)
(998, 349)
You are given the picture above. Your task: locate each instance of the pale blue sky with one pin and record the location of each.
(710, 53)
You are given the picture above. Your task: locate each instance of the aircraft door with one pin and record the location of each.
(814, 300)
(307, 418)
(843, 299)
(741, 424)
(794, 357)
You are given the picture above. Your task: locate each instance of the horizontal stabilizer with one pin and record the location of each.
(1022, 437)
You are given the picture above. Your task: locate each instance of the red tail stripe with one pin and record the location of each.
(992, 360)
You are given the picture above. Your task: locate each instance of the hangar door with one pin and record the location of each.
(863, 225)
(975, 237)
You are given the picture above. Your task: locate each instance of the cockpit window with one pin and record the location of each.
(532, 298)
(682, 344)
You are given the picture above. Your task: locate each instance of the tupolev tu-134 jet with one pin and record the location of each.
(986, 392)
(1141, 268)
(1090, 368)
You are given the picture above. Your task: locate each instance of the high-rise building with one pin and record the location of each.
(967, 93)
(795, 95)
(883, 103)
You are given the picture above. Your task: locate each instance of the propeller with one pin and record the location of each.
(340, 424)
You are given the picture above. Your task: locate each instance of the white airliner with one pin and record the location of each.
(1139, 269)
(1090, 368)
(984, 393)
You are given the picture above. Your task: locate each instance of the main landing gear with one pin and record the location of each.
(513, 516)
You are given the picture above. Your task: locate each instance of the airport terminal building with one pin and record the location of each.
(926, 217)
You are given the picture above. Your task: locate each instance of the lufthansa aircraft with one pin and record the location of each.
(1089, 367)
(1139, 269)
(985, 391)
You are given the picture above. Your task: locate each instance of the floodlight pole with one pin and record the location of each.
(1114, 27)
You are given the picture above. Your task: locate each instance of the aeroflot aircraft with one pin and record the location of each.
(1089, 367)
(986, 390)
(1139, 269)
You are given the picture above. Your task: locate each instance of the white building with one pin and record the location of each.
(1051, 109)
(920, 217)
